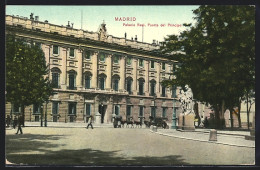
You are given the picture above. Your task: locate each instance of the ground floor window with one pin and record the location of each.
(88, 109)
(128, 111)
(164, 112)
(141, 111)
(117, 108)
(153, 111)
(72, 108)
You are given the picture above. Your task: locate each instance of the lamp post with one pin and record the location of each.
(45, 120)
(154, 106)
(30, 114)
(174, 110)
(41, 115)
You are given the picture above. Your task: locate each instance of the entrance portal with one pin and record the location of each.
(102, 110)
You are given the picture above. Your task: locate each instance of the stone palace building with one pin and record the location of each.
(94, 72)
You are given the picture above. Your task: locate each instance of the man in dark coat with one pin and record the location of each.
(20, 122)
(15, 122)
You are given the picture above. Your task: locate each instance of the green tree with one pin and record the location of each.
(26, 73)
(217, 56)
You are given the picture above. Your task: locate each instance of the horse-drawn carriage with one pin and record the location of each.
(157, 121)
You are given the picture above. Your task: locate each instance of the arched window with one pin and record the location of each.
(72, 80)
(115, 82)
(102, 57)
(152, 87)
(87, 83)
(55, 77)
(101, 81)
(129, 81)
(141, 86)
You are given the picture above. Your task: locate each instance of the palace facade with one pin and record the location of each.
(94, 72)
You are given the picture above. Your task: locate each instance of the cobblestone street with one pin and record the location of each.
(109, 146)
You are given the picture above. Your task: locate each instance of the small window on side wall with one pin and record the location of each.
(55, 50)
(72, 52)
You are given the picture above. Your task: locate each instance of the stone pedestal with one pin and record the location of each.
(213, 135)
(97, 118)
(188, 123)
(180, 122)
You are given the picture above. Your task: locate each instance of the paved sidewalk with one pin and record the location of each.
(231, 138)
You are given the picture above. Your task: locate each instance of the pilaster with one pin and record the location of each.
(109, 71)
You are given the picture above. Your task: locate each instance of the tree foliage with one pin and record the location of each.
(26, 73)
(217, 55)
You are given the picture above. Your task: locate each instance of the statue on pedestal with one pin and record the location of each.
(186, 99)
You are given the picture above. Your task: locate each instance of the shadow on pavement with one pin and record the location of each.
(24, 144)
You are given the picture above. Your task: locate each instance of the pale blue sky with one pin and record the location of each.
(93, 16)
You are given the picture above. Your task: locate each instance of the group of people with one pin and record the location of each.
(16, 122)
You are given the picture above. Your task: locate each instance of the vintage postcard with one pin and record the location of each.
(130, 85)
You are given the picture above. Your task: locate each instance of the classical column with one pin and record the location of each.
(94, 69)
(79, 53)
(146, 86)
(134, 85)
(122, 73)
(158, 85)
(109, 71)
(63, 53)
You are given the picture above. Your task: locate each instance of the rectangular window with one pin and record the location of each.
(87, 55)
(55, 80)
(153, 112)
(36, 108)
(128, 111)
(129, 61)
(72, 108)
(141, 62)
(163, 66)
(152, 64)
(71, 81)
(88, 109)
(163, 91)
(117, 109)
(72, 52)
(55, 108)
(164, 112)
(55, 49)
(141, 111)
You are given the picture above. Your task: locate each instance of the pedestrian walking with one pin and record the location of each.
(8, 121)
(15, 122)
(90, 119)
(20, 122)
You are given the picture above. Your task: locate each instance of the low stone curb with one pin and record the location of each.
(202, 140)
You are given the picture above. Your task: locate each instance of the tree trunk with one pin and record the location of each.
(22, 113)
(238, 114)
(231, 118)
(247, 110)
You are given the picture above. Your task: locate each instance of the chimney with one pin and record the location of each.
(72, 25)
(125, 35)
(135, 37)
(36, 18)
(132, 39)
(68, 24)
(154, 42)
(31, 16)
